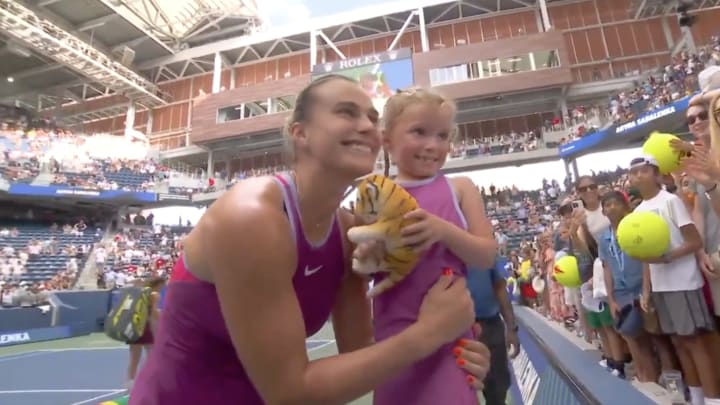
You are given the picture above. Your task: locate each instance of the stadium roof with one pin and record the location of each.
(650, 8)
(146, 42)
(39, 71)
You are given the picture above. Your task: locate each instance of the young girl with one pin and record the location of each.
(452, 233)
(557, 310)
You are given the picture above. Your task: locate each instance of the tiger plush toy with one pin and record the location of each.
(382, 204)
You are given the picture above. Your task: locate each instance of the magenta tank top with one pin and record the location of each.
(436, 379)
(193, 360)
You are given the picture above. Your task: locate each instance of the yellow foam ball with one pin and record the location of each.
(566, 272)
(643, 235)
(525, 271)
(658, 146)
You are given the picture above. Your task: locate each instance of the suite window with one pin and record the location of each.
(271, 105)
(546, 59)
(495, 67)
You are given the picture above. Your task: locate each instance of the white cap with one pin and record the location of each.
(644, 160)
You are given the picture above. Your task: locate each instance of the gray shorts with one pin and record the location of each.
(682, 313)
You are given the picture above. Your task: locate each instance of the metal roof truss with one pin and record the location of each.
(654, 8)
(54, 42)
(245, 49)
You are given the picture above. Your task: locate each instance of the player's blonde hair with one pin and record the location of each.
(396, 105)
(304, 102)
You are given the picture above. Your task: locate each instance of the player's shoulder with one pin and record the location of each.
(251, 203)
(247, 218)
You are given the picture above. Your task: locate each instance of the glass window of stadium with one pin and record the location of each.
(494, 67)
(272, 105)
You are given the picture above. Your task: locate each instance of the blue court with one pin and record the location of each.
(73, 376)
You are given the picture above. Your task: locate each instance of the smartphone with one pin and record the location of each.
(578, 204)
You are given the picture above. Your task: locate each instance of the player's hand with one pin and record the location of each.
(447, 311)
(474, 357)
(367, 258)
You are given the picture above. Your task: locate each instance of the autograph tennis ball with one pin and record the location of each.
(643, 235)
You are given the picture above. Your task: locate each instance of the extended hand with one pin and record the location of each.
(701, 167)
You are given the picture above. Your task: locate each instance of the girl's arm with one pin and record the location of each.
(476, 247)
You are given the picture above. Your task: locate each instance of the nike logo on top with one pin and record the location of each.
(310, 271)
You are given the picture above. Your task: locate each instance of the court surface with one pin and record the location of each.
(89, 370)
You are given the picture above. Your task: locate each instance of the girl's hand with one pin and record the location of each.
(423, 234)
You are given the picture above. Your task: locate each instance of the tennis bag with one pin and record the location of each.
(128, 319)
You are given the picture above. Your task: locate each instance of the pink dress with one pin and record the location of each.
(437, 379)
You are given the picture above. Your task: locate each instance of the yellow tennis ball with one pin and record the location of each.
(658, 146)
(643, 235)
(566, 272)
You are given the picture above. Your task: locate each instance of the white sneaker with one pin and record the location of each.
(603, 363)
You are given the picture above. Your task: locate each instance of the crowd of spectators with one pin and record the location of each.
(88, 162)
(138, 253)
(663, 87)
(35, 260)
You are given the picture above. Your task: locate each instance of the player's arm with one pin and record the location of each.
(351, 316)
(476, 247)
(252, 272)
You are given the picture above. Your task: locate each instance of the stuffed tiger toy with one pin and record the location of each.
(382, 204)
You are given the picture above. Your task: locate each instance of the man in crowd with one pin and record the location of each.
(493, 311)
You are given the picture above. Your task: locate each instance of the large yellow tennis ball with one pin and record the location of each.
(525, 271)
(566, 272)
(658, 146)
(643, 235)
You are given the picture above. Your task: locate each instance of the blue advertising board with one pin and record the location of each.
(645, 123)
(35, 335)
(60, 191)
(550, 370)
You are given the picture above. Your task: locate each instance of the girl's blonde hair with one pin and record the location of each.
(713, 110)
(396, 105)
